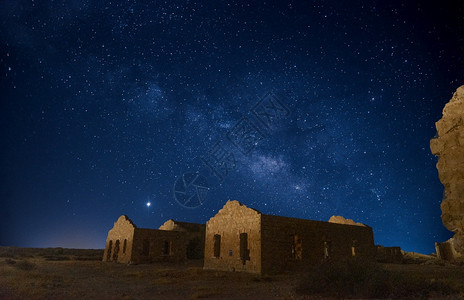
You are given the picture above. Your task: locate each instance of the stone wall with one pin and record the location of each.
(231, 224)
(342, 220)
(196, 239)
(182, 226)
(171, 225)
(278, 243)
(449, 147)
(289, 243)
(447, 250)
(120, 240)
(388, 254)
(152, 245)
(127, 243)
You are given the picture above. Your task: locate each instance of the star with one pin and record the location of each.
(310, 131)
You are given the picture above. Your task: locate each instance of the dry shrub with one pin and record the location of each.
(10, 261)
(56, 257)
(25, 265)
(7, 253)
(361, 279)
(87, 258)
(59, 251)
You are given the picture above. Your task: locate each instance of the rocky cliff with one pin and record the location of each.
(449, 147)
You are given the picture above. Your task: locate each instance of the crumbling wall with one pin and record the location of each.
(182, 226)
(446, 250)
(171, 225)
(196, 239)
(388, 254)
(127, 243)
(233, 239)
(120, 241)
(242, 239)
(449, 147)
(152, 245)
(289, 243)
(342, 220)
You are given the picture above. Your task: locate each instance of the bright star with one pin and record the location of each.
(148, 204)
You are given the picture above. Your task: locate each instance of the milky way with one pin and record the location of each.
(105, 106)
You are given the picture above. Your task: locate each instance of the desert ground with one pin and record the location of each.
(57, 273)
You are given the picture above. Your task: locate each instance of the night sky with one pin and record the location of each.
(167, 109)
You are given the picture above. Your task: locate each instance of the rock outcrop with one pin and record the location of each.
(449, 147)
(342, 220)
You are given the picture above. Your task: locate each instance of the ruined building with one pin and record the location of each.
(388, 254)
(239, 238)
(173, 241)
(449, 147)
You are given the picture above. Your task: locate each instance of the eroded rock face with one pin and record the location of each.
(449, 147)
(342, 220)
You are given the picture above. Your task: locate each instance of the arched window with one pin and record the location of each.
(124, 246)
(116, 250)
(108, 250)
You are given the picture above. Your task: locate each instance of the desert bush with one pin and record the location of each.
(420, 287)
(10, 261)
(88, 258)
(7, 253)
(25, 265)
(56, 257)
(361, 279)
(59, 251)
(26, 255)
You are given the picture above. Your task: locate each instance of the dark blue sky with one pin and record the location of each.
(104, 105)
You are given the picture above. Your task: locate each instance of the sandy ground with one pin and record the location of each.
(70, 275)
(98, 280)
(51, 277)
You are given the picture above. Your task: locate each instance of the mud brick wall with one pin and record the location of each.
(121, 233)
(277, 242)
(232, 220)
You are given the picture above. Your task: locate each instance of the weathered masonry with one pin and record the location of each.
(173, 241)
(239, 238)
(388, 254)
(447, 250)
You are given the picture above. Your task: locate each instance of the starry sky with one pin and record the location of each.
(167, 109)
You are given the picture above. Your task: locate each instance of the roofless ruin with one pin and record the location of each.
(239, 238)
